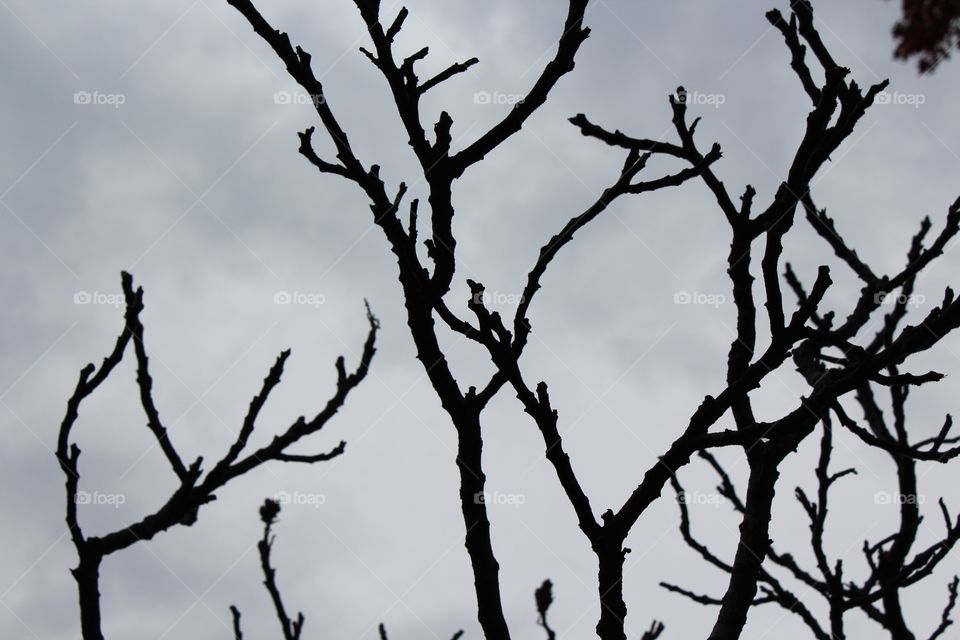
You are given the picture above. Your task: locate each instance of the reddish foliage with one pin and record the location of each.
(929, 29)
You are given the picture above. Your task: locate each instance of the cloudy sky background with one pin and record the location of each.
(194, 185)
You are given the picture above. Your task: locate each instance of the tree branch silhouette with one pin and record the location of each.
(543, 597)
(839, 359)
(801, 334)
(891, 569)
(291, 628)
(195, 489)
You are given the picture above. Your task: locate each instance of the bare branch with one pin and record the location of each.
(235, 614)
(544, 598)
(446, 74)
(574, 33)
(656, 628)
(798, 51)
(291, 628)
(945, 620)
(183, 504)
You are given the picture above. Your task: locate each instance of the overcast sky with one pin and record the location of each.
(160, 138)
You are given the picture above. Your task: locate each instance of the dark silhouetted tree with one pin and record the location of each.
(832, 348)
(892, 564)
(197, 486)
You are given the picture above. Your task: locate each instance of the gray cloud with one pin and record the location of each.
(194, 184)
